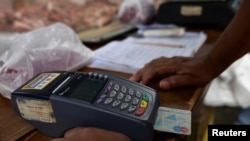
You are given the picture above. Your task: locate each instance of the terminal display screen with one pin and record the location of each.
(87, 89)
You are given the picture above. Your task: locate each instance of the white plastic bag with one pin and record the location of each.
(136, 11)
(232, 87)
(51, 48)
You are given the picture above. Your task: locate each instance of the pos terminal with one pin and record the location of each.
(54, 102)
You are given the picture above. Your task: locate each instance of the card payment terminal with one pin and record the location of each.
(55, 102)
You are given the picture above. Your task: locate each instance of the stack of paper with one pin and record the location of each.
(133, 53)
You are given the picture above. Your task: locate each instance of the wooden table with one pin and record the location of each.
(12, 127)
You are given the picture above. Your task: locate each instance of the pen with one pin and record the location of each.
(160, 44)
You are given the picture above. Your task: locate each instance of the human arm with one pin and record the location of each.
(92, 134)
(234, 41)
(198, 71)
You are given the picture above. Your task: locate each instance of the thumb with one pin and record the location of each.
(175, 81)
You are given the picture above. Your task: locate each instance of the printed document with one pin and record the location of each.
(133, 53)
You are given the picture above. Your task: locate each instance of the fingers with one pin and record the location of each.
(144, 76)
(136, 77)
(156, 68)
(74, 132)
(175, 81)
(61, 139)
(175, 72)
(94, 134)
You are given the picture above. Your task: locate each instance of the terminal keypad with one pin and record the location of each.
(124, 98)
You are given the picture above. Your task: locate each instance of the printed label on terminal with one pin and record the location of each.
(41, 81)
(39, 110)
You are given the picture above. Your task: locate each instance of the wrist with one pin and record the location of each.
(216, 67)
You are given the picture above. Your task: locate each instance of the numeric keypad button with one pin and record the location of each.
(132, 109)
(124, 106)
(124, 89)
(108, 101)
(135, 101)
(128, 98)
(116, 103)
(116, 87)
(138, 94)
(120, 96)
(113, 93)
(131, 91)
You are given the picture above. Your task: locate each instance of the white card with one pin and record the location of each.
(173, 120)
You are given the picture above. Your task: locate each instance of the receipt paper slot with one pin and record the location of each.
(54, 102)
